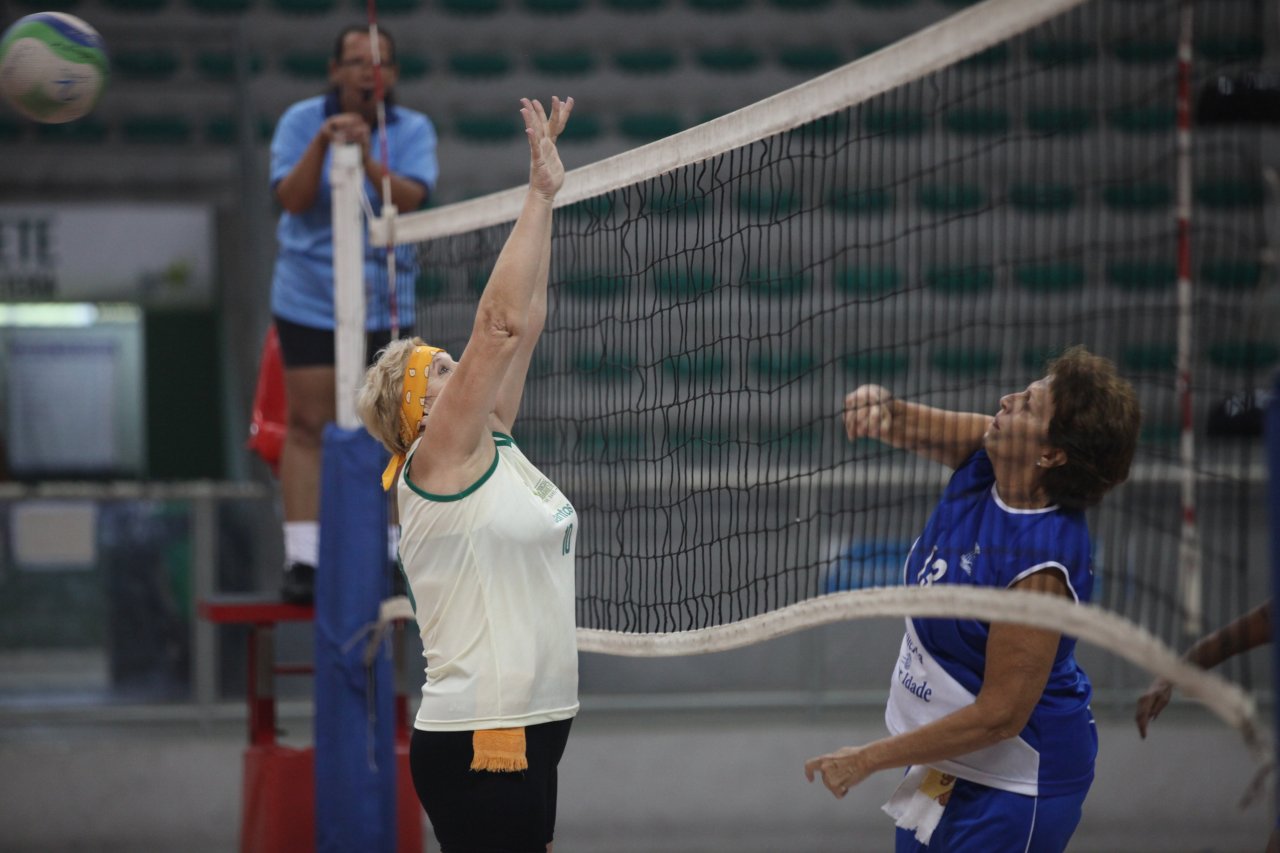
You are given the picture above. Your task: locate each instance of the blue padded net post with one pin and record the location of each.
(354, 724)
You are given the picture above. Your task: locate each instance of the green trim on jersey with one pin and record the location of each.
(460, 495)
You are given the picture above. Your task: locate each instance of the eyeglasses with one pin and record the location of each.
(363, 63)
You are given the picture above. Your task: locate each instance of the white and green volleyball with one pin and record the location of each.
(53, 67)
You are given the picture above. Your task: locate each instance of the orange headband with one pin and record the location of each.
(413, 401)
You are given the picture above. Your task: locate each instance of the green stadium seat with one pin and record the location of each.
(965, 361)
(703, 365)
(801, 439)
(222, 130)
(1246, 356)
(222, 66)
(977, 122)
(810, 59)
(49, 5)
(390, 7)
(587, 210)
(635, 6)
(650, 61)
(597, 285)
(861, 202)
(779, 366)
(473, 8)
(699, 439)
(478, 281)
(718, 6)
(583, 128)
(992, 57)
(800, 5)
(305, 7)
(221, 7)
(1042, 198)
(951, 198)
(1157, 119)
(605, 366)
(646, 127)
(1061, 51)
(306, 65)
(1228, 195)
(413, 66)
(1160, 433)
(152, 65)
(480, 64)
(677, 282)
(156, 130)
(10, 130)
(1142, 275)
(430, 285)
(604, 444)
(1060, 120)
(1230, 275)
(1036, 357)
(1149, 358)
(765, 202)
(733, 59)
(554, 7)
(1051, 278)
(970, 280)
(675, 201)
(868, 282)
(1144, 51)
(876, 365)
(1138, 198)
(888, 122)
(495, 127)
(84, 131)
(564, 63)
(1229, 49)
(136, 6)
(776, 283)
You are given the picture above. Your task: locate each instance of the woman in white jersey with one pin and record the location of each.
(992, 720)
(487, 545)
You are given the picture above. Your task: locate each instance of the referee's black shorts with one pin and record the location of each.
(476, 811)
(307, 346)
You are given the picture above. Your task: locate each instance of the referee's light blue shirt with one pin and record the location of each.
(302, 284)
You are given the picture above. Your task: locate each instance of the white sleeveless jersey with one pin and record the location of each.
(491, 576)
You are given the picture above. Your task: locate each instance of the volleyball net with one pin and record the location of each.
(939, 217)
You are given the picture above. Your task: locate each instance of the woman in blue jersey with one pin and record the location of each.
(992, 720)
(487, 546)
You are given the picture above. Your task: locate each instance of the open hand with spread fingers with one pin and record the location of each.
(546, 173)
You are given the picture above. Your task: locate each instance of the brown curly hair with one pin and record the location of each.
(1095, 421)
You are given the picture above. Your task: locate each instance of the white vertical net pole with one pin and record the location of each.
(346, 177)
(1189, 574)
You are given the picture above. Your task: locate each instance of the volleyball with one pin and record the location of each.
(53, 67)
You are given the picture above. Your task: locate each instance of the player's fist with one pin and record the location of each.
(868, 412)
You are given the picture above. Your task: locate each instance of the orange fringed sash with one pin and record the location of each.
(498, 750)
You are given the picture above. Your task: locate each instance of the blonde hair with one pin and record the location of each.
(378, 399)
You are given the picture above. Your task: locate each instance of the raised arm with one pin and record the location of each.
(512, 390)
(457, 429)
(871, 411)
(1019, 659)
(1243, 633)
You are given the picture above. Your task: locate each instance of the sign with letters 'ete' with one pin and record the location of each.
(150, 254)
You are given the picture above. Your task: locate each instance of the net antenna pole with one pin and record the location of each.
(1189, 557)
(388, 213)
(346, 177)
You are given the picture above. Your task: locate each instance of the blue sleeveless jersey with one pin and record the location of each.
(974, 539)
